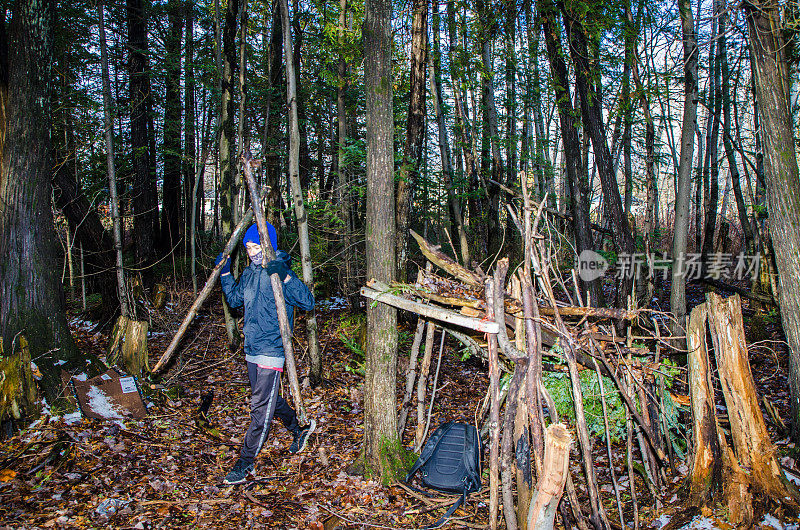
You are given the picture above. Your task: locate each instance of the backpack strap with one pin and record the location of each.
(449, 512)
(471, 451)
(428, 449)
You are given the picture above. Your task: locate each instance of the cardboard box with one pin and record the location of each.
(108, 396)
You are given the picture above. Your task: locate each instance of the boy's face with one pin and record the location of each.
(252, 249)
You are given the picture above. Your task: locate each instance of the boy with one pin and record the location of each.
(263, 346)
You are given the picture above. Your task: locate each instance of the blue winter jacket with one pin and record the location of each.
(262, 334)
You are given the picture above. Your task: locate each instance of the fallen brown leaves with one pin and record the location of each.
(165, 471)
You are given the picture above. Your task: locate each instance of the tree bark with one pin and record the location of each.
(144, 199)
(683, 191)
(706, 453)
(228, 190)
(781, 175)
(576, 181)
(297, 194)
(380, 411)
(754, 449)
(31, 293)
(171, 216)
(415, 127)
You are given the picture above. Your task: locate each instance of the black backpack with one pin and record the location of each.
(451, 461)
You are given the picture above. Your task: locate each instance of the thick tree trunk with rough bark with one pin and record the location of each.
(31, 294)
(171, 217)
(781, 175)
(381, 441)
(144, 198)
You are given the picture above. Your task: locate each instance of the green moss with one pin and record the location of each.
(395, 460)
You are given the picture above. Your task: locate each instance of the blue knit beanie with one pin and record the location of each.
(251, 236)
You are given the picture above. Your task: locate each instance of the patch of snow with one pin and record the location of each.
(156, 333)
(335, 302)
(100, 404)
(72, 417)
(60, 362)
(79, 323)
(81, 376)
(794, 479)
(662, 521)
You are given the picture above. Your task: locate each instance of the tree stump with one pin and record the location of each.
(706, 463)
(128, 345)
(116, 340)
(550, 486)
(18, 391)
(755, 452)
(159, 295)
(134, 350)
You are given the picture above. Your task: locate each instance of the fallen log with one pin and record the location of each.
(446, 263)
(380, 292)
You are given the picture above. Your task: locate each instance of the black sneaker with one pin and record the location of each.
(241, 469)
(301, 438)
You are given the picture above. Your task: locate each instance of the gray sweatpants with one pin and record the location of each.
(265, 403)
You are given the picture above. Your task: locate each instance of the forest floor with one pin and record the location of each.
(166, 471)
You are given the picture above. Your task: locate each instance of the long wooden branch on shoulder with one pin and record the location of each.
(237, 234)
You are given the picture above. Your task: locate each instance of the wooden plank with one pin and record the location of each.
(437, 313)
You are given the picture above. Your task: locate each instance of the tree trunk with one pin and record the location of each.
(272, 126)
(144, 199)
(754, 449)
(228, 191)
(381, 442)
(108, 121)
(727, 139)
(190, 149)
(555, 471)
(344, 193)
(227, 187)
(591, 113)
(579, 204)
(415, 126)
(781, 175)
(488, 29)
(31, 293)
(683, 191)
(444, 143)
(171, 216)
(297, 194)
(706, 454)
(712, 144)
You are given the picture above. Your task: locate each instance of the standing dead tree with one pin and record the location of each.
(747, 474)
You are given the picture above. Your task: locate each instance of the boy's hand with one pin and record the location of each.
(226, 267)
(278, 267)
